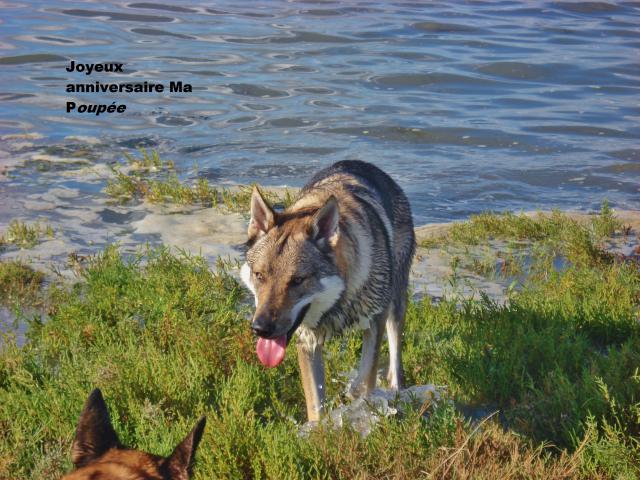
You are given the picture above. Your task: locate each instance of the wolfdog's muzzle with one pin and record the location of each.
(271, 350)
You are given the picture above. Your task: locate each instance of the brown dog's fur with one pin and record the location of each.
(98, 454)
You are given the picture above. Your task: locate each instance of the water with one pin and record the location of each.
(470, 106)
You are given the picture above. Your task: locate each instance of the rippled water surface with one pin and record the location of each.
(469, 105)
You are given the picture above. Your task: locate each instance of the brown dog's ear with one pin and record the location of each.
(262, 216)
(180, 462)
(95, 434)
(324, 225)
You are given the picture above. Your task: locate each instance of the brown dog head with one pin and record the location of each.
(98, 454)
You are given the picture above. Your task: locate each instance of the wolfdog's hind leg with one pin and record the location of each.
(395, 325)
(365, 382)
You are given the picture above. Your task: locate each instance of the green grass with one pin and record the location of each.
(150, 178)
(556, 225)
(167, 340)
(25, 235)
(518, 245)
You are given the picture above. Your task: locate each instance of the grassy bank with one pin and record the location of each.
(166, 339)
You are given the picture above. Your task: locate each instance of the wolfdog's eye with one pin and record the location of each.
(259, 276)
(297, 281)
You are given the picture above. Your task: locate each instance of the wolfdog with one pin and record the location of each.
(98, 454)
(338, 258)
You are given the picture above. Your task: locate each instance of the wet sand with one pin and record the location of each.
(212, 233)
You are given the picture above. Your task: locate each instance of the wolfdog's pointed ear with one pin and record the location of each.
(324, 226)
(181, 460)
(262, 216)
(95, 434)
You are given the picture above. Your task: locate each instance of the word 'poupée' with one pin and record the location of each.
(97, 109)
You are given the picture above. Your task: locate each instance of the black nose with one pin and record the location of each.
(263, 327)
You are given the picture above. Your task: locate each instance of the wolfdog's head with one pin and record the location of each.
(98, 454)
(292, 270)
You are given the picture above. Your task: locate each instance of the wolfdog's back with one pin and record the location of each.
(389, 195)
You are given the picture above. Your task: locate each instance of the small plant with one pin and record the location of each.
(149, 160)
(25, 235)
(19, 283)
(605, 224)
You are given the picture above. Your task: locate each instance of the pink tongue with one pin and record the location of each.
(271, 351)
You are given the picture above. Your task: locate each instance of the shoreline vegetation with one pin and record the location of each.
(148, 177)
(549, 378)
(24, 235)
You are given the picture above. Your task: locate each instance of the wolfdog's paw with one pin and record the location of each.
(306, 428)
(357, 390)
(393, 381)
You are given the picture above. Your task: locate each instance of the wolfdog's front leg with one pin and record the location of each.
(312, 372)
